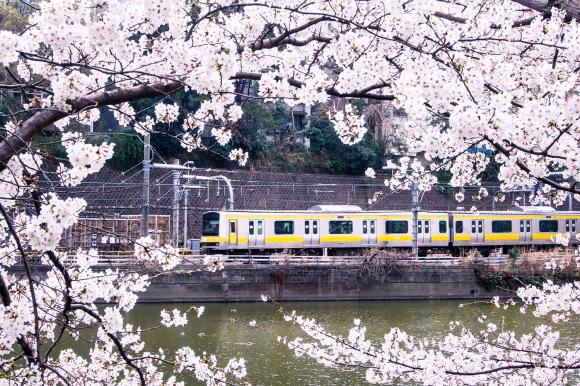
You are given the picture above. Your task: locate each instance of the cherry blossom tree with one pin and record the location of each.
(494, 74)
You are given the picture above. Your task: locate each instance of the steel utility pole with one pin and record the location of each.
(185, 215)
(146, 171)
(175, 206)
(415, 209)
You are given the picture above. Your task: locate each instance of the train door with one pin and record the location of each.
(233, 240)
(256, 233)
(424, 231)
(369, 230)
(526, 231)
(477, 231)
(311, 233)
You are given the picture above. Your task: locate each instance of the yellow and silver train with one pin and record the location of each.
(348, 227)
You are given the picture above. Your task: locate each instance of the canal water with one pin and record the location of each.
(224, 329)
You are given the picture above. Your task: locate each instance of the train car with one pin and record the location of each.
(322, 226)
(335, 227)
(524, 226)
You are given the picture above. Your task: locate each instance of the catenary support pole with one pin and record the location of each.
(415, 209)
(146, 171)
(185, 216)
(175, 207)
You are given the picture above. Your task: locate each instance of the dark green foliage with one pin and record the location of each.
(128, 151)
(50, 144)
(513, 280)
(514, 253)
(337, 157)
(252, 132)
(491, 280)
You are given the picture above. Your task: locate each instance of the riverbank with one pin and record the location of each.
(318, 283)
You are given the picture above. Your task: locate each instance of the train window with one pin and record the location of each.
(260, 228)
(306, 227)
(548, 226)
(521, 225)
(315, 227)
(397, 227)
(573, 225)
(420, 227)
(480, 226)
(284, 227)
(426, 226)
(365, 228)
(251, 227)
(473, 227)
(458, 226)
(233, 227)
(372, 227)
(210, 224)
(567, 225)
(340, 227)
(501, 226)
(528, 226)
(442, 226)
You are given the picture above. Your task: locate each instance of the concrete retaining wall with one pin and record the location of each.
(316, 283)
(310, 283)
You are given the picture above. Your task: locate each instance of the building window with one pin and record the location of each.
(340, 227)
(397, 227)
(284, 227)
(442, 226)
(548, 226)
(458, 226)
(501, 226)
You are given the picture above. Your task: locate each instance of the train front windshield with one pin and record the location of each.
(210, 224)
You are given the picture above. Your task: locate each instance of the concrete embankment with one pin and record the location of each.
(304, 283)
(317, 283)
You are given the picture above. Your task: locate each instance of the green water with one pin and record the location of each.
(224, 330)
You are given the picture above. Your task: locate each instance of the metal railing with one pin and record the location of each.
(195, 260)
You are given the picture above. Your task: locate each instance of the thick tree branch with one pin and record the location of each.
(499, 147)
(15, 143)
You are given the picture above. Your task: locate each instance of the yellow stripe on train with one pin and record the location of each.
(466, 237)
(543, 236)
(284, 239)
(502, 236)
(401, 237)
(340, 238)
(213, 239)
